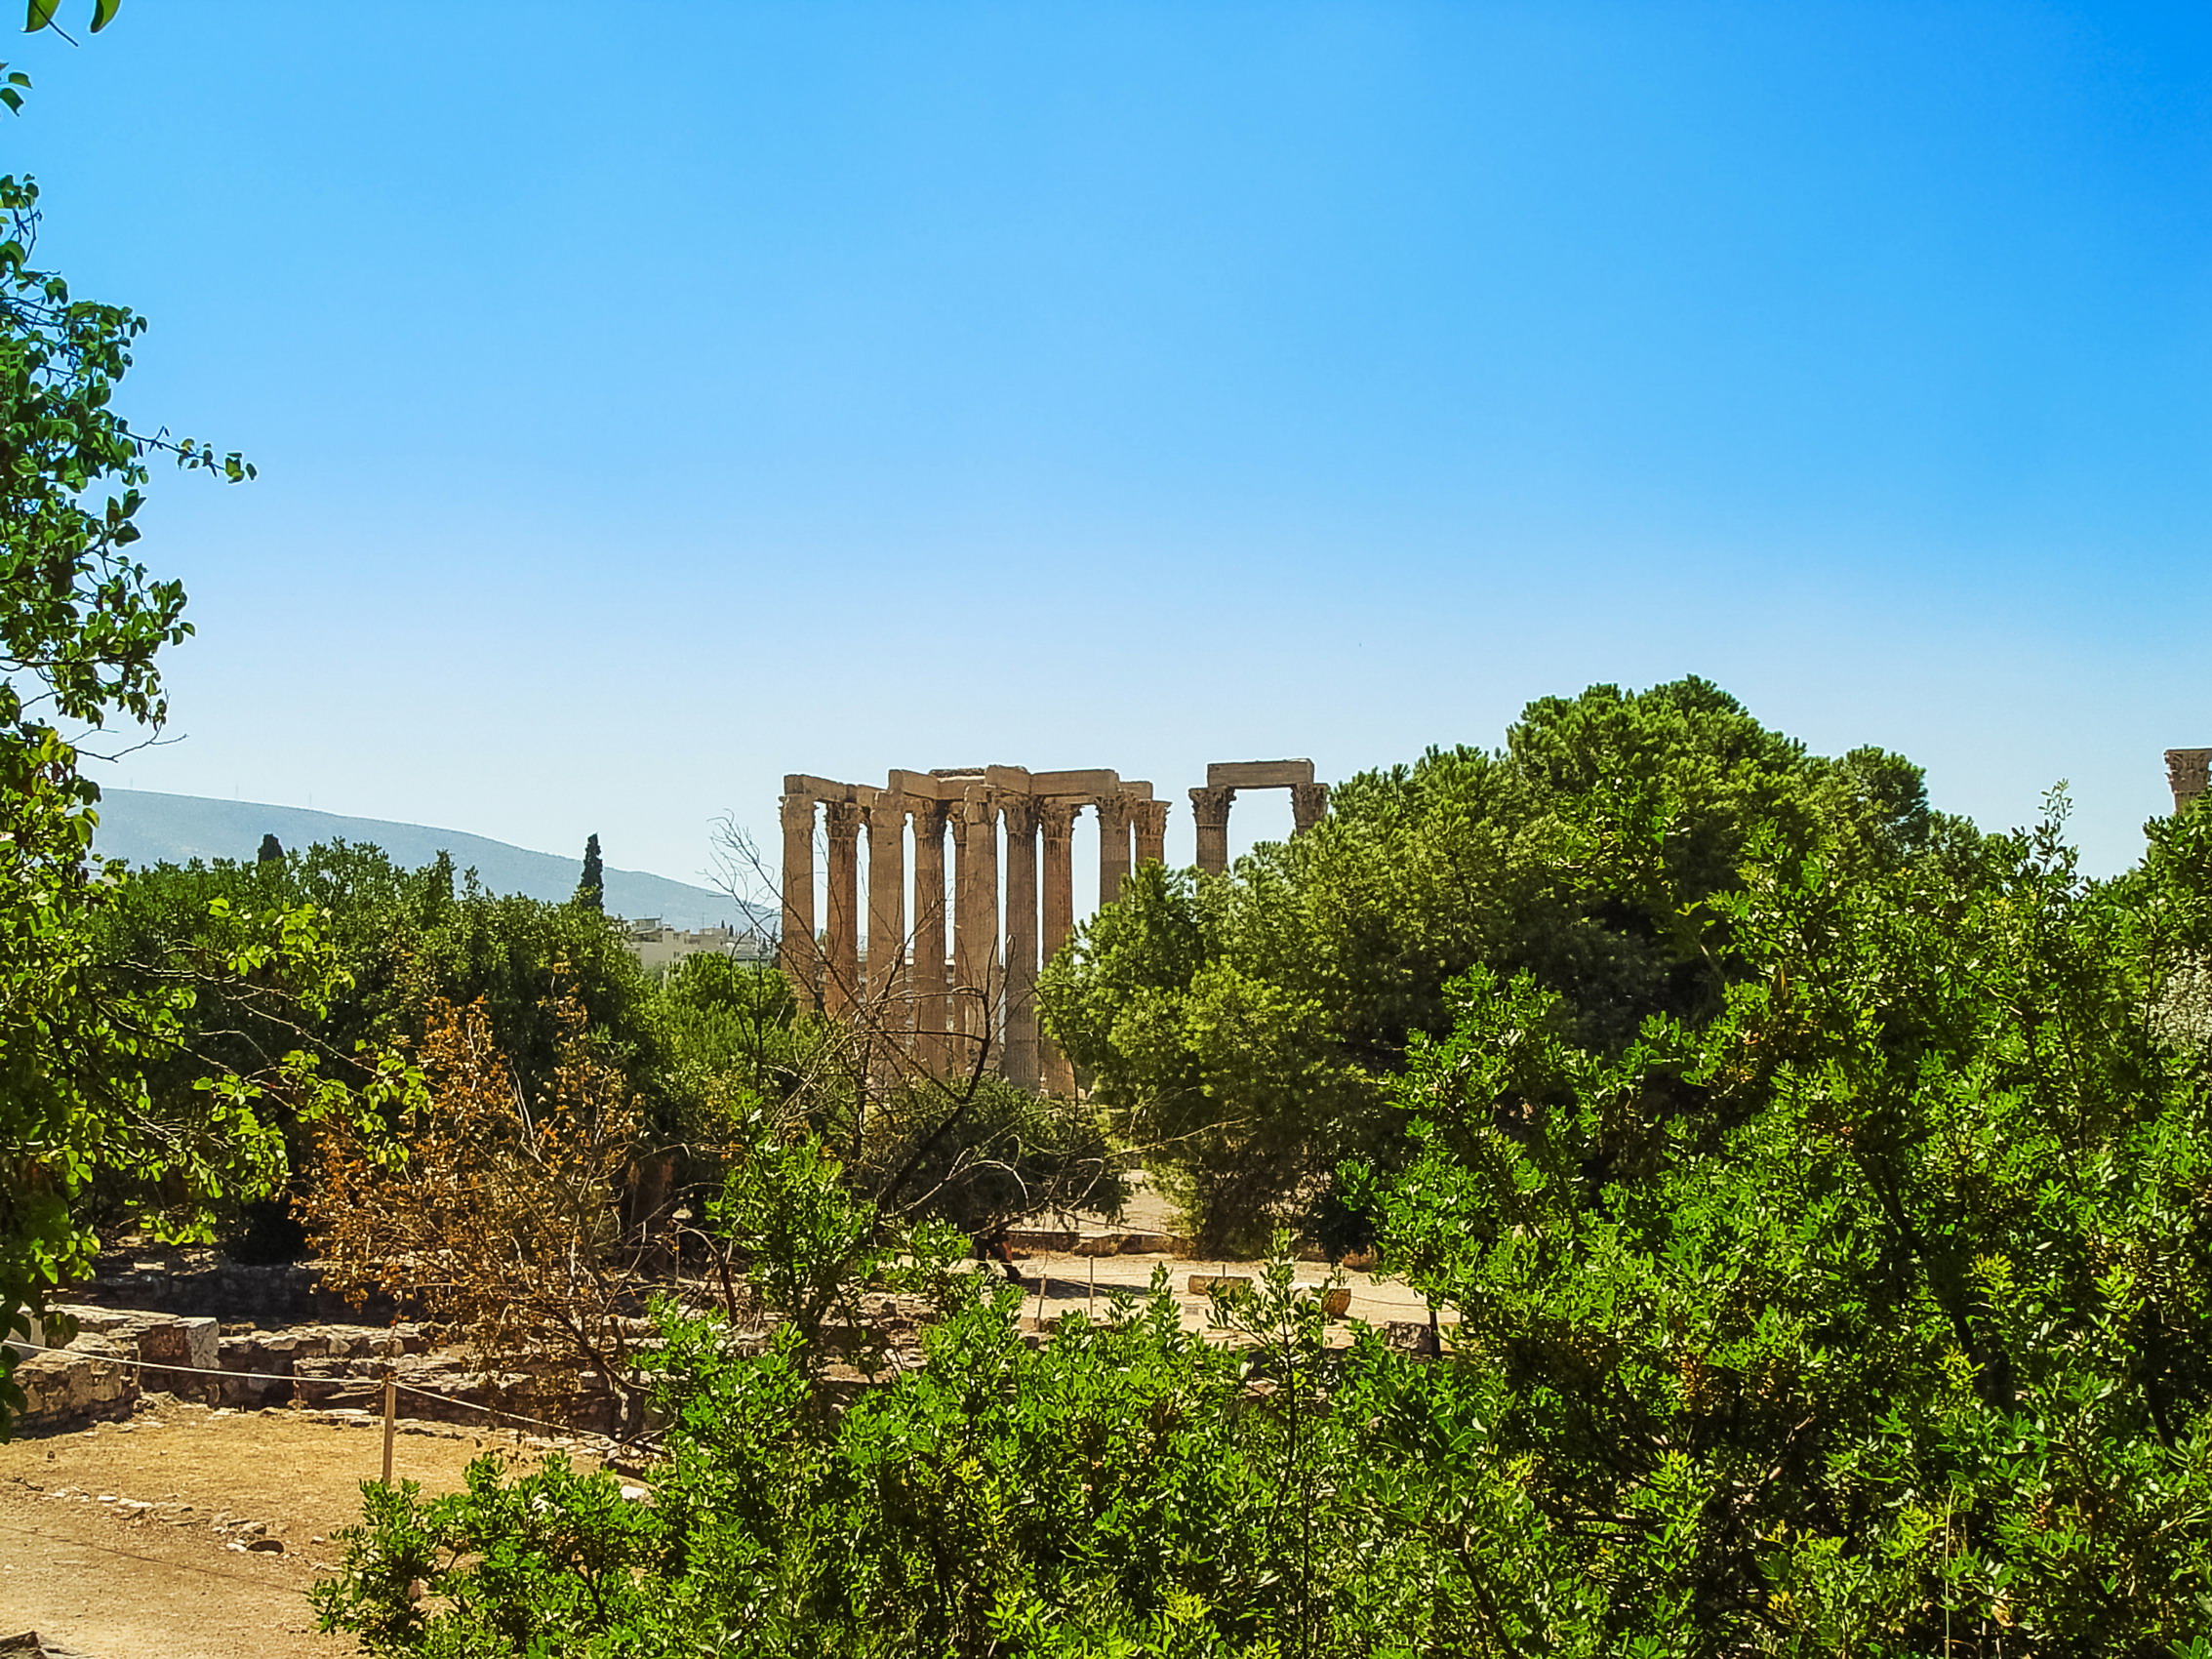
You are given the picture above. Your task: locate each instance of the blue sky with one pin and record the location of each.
(650, 400)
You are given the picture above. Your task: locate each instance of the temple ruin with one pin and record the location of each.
(954, 984)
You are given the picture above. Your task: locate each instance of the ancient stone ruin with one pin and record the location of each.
(2187, 772)
(949, 1010)
(1209, 806)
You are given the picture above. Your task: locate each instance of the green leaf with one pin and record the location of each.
(103, 13)
(39, 14)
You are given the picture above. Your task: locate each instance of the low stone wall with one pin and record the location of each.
(81, 1384)
(280, 1293)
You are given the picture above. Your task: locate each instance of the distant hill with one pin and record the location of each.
(150, 829)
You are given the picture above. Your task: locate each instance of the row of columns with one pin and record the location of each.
(947, 1025)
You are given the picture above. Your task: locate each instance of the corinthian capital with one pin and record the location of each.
(2186, 771)
(842, 818)
(1209, 808)
(1057, 818)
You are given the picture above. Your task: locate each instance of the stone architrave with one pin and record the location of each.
(926, 974)
(886, 812)
(841, 976)
(1019, 815)
(1113, 844)
(975, 944)
(1308, 803)
(2188, 772)
(1209, 811)
(796, 949)
(1056, 819)
(1149, 817)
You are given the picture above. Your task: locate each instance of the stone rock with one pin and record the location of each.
(27, 1645)
(183, 1341)
(1411, 1336)
(85, 1382)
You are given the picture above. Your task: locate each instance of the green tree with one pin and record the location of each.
(1244, 1026)
(405, 940)
(271, 852)
(1868, 1316)
(81, 623)
(591, 889)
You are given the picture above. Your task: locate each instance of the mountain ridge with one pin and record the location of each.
(145, 826)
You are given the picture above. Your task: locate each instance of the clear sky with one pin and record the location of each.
(653, 399)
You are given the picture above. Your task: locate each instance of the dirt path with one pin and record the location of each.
(1062, 1283)
(130, 1541)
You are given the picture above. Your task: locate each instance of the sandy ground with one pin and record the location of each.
(1071, 1284)
(128, 1541)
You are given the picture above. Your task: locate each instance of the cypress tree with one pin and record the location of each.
(592, 891)
(272, 851)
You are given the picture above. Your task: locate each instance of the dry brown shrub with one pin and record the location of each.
(496, 1215)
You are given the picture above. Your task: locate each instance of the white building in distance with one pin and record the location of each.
(657, 945)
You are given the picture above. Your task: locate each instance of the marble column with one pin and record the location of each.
(1209, 810)
(1113, 845)
(796, 947)
(841, 978)
(975, 921)
(2188, 772)
(927, 972)
(886, 815)
(1020, 813)
(1056, 820)
(1308, 803)
(1150, 819)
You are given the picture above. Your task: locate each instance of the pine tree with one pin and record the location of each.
(592, 891)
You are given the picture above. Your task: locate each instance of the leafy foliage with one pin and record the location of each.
(1871, 1316)
(1854, 1301)
(1244, 1028)
(1118, 1489)
(81, 623)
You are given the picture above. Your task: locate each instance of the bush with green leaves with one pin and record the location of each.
(1122, 1486)
(1874, 1315)
(1865, 1313)
(1244, 1028)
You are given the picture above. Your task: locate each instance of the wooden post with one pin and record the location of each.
(391, 1414)
(1091, 1303)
